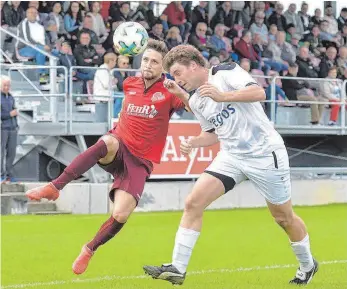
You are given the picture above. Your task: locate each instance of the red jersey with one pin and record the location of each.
(144, 119)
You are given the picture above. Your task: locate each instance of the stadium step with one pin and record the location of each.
(52, 213)
(34, 207)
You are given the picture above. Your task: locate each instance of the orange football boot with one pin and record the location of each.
(81, 263)
(49, 192)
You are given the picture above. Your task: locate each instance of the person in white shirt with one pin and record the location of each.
(104, 82)
(227, 104)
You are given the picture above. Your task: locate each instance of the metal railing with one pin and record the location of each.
(53, 72)
(50, 95)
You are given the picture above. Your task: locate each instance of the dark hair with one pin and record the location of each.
(158, 46)
(332, 68)
(344, 9)
(183, 54)
(293, 65)
(244, 33)
(79, 13)
(123, 3)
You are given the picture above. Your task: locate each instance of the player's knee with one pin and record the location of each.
(285, 220)
(121, 217)
(192, 205)
(112, 144)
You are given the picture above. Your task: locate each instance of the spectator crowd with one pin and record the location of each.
(263, 38)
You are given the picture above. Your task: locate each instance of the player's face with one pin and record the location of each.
(152, 64)
(185, 76)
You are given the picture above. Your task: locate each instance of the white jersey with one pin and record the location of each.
(242, 128)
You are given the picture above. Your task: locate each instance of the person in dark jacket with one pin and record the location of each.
(277, 18)
(87, 56)
(328, 61)
(200, 14)
(300, 90)
(306, 68)
(9, 129)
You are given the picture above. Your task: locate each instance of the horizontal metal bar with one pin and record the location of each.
(318, 170)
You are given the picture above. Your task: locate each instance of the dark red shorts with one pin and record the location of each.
(130, 172)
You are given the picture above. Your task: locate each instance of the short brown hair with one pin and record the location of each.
(158, 46)
(110, 56)
(183, 54)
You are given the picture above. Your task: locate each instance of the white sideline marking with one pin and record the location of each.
(202, 272)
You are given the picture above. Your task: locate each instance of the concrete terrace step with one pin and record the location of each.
(51, 213)
(34, 207)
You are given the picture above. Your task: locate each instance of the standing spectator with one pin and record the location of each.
(98, 23)
(33, 32)
(87, 56)
(259, 27)
(11, 16)
(54, 24)
(173, 37)
(332, 23)
(342, 19)
(103, 80)
(328, 61)
(293, 18)
(317, 18)
(72, 22)
(174, 15)
(9, 129)
(305, 19)
(277, 18)
(200, 14)
(296, 90)
(342, 61)
(331, 91)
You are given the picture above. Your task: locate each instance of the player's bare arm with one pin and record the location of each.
(205, 139)
(252, 93)
(175, 89)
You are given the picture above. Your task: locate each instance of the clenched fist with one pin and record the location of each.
(185, 147)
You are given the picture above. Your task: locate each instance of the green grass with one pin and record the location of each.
(40, 249)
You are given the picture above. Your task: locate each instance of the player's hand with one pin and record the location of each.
(209, 90)
(185, 147)
(173, 87)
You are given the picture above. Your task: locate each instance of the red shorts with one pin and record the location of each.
(130, 172)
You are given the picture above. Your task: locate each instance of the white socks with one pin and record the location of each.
(184, 245)
(303, 254)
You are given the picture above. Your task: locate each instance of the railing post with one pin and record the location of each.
(343, 107)
(53, 89)
(273, 100)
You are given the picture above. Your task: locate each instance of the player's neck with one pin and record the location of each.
(150, 82)
(204, 75)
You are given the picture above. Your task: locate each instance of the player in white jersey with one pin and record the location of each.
(226, 103)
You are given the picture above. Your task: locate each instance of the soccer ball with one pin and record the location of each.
(130, 38)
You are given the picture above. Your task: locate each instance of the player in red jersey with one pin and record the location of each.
(128, 150)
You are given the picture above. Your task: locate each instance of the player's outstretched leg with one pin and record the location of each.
(207, 189)
(104, 151)
(124, 205)
(299, 239)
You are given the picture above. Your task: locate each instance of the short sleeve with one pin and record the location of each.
(204, 124)
(176, 103)
(237, 78)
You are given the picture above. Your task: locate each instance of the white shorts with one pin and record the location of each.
(269, 173)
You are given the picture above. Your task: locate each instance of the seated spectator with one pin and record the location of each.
(11, 16)
(173, 37)
(343, 36)
(342, 61)
(88, 28)
(290, 31)
(66, 58)
(104, 82)
(259, 27)
(305, 19)
(272, 32)
(72, 22)
(314, 42)
(296, 90)
(306, 68)
(174, 15)
(277, 18)
(342, 20)
(214, 60)
(54, 24)
(200, 14)
(157, 31)
(293, 18)
(41, 17)
(123, 13)
(245, 49)
(224, 15)
(144, 13)
(317, 18)
(295, 42)
(328, 61)
(98, 23)
(123, 62)
(87, 56)
(280, 51)
(259, 6)
(217, 38)
(325, 35)
(201, 41)
(258, 44)
(331, 91)
(246, 64)
(33, 32)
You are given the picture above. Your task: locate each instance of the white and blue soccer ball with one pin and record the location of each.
(130, 38)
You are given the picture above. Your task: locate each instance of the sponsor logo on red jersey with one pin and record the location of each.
(147, 111)
(157, 97)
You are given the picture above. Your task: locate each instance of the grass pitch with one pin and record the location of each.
(237, 249)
